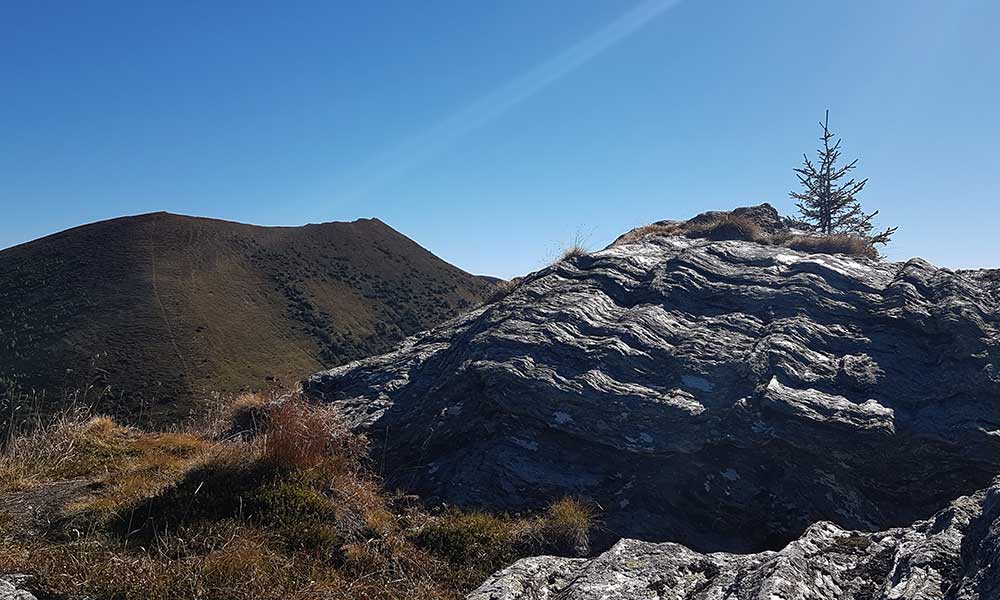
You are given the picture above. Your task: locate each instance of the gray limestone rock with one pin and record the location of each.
(724, 395)
(954, 555)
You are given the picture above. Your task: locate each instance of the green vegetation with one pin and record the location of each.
(286, 509)
(828, 202)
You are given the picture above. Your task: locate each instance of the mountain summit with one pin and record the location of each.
(160, 309)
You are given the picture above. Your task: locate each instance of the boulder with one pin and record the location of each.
(952, 555)
(10, 590)
(723, 395)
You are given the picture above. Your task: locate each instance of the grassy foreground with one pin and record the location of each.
(271, 499)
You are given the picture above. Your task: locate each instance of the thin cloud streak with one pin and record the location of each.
(439, 137)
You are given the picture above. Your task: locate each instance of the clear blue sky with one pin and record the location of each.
(491, 132)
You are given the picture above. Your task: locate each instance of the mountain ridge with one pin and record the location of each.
(170, 308)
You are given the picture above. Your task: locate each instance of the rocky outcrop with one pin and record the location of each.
(724, 395)
(953, 555)
(10, 590)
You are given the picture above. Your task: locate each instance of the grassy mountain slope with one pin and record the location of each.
(166, 308)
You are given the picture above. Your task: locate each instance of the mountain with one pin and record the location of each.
(165, 309)
(952, 555)
(723, 394)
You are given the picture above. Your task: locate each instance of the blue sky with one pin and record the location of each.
(494, 132)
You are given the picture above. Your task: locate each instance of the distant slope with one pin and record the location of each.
(165, 309)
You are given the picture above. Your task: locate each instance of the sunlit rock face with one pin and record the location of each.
(724, 395)
(953, 555)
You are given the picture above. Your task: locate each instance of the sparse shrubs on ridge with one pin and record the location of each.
(730, 227)
(574, 249)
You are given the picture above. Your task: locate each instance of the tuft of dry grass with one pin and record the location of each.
(572, 251)
(565, 528)
(640, 233)
(727, 227)
(300, 436)
(851, 245)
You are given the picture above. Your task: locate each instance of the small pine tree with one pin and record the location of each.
(829, 205)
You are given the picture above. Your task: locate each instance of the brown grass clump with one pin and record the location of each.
(566, 527)
(727, 227)
(575, 249)
(640, 233)
(76, 444)
(572, 251)
(832, 244)
(302, 436)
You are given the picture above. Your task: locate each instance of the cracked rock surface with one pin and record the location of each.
(953, 555)
(724, 395)
(9, 589)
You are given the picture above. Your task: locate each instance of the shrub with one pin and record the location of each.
(853, 542)
(832, 244)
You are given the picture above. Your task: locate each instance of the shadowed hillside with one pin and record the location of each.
(164, 308)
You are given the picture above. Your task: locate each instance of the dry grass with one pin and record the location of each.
(640, 233)
(727, 227)
(574, 249)
(289, 511)
(565, 529)
(502, 290)
(832, 244)
(300, 436)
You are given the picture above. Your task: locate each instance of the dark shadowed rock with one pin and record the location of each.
(724, 395)
(952, 555)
